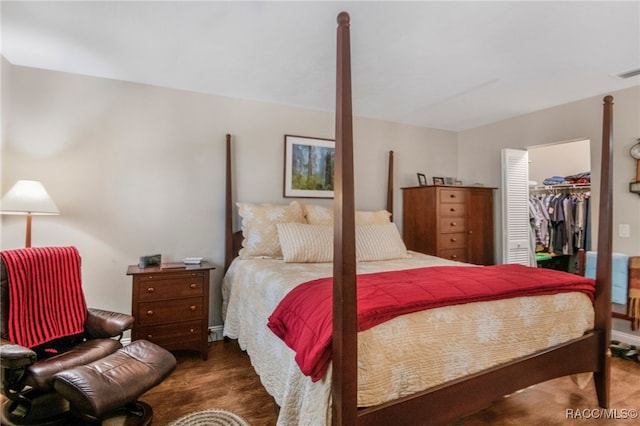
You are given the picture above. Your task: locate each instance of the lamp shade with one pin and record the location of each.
(28, 197)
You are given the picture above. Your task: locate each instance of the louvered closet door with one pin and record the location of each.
(515, 208)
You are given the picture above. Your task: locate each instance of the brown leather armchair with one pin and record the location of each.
(63, 376)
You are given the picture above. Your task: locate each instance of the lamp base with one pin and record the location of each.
(27, 240)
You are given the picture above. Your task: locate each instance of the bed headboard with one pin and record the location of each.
(233, 239)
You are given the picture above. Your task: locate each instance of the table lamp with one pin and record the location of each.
(28, 197)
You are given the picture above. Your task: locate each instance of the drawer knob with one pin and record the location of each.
(452, 209)
(453, 224)
(149, 336)
(193, 285)
(192, 307)
(454, 256)
(151, 289)
(150, 312)
(470, 232)
(453, 240)
(191, 330)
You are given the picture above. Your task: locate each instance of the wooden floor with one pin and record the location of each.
(227, 381)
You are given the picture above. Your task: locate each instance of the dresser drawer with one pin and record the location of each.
(452, 225)
(453, 254)
(452, 195)
(165, 287)
(168, 334)
(452, 241)
(452, 210)
(176, 310)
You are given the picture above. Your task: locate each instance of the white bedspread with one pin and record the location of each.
(407, 354)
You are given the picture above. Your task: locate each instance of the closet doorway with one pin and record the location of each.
(560, 193)
(549, 172)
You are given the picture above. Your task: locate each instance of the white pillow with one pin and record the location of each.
(319, 215)
(379, 217)
(259, 227)
(304, 243)
(379, 242)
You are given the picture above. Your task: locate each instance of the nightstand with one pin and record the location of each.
(171, 306)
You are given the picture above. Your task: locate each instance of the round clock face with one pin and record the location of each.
(635, 151)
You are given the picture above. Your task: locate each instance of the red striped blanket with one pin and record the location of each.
(45, 293)
(303, 319)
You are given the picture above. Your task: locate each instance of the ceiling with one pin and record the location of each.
(445, 65)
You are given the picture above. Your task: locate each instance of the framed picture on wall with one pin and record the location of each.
(308, 167)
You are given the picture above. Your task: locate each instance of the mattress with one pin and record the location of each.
(409, 353)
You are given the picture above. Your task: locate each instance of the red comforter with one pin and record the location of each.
(303, 319)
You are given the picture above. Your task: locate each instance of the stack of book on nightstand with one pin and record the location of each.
(188, 261)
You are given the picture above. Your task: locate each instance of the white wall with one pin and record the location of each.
(560, 159)
(137, 169)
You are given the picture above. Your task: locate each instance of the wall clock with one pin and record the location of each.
(635, 154)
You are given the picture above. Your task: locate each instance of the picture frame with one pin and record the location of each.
(438, 180)
(302, 181)
(449, 180)
(457, 182)
(422, 179)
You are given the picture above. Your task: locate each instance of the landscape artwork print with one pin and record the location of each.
(309, 164)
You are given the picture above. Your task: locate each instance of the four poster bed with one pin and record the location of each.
(418, 366)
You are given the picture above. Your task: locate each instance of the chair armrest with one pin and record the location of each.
(14, 356)
(101, 324)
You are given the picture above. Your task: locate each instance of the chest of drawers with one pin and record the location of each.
(452, 222)
(171, 306)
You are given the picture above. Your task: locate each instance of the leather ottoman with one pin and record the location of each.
(95, 390)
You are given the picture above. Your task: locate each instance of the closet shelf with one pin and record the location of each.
(560, 186)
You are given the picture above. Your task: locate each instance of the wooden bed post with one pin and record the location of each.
(344, 345)
(603, 263)
(228, 211)
(390, 186)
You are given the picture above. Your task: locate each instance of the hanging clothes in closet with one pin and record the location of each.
(560, 218)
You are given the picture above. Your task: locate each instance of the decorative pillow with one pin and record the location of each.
(319, 215)
(304, 243)
(259, 227)
(379, 242)
(379, 217)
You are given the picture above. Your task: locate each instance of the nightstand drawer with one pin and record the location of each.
(450, 225)
(452, 241)
(167, 334)
(161, 287)
(177, 310)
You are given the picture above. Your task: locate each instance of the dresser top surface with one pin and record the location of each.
(169, 267)
(446, 187)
